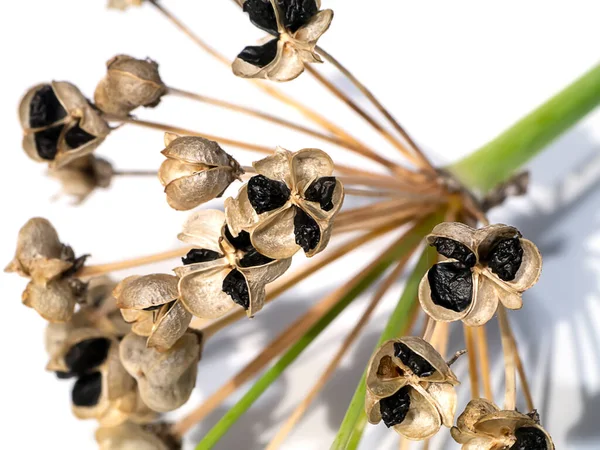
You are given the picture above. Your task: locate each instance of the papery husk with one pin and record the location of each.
(128, 436)
(73, 337)
(146, 291)
(203, 229)
(171, 323)
(455, 231)
(54, 301)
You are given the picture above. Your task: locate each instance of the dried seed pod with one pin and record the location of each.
(60, 125)
(290, 205)
(82, 176)
(196, 171)
(123, 4)
(482, 426)
(55, 301)
(223, 271)
(131, 436)
(485, 266)
(99, 308)
(129, 83)
(165, 379)
(296, 26)
(151, 304)
(411, 388)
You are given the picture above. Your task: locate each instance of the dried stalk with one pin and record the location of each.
(473, 373)
(135, 173)
(484, 359)
(429, 329)
(510, 396)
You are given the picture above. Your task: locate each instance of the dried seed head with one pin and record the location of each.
(129, 83)
(60, 125)
(196, 171)
(165, 379)
(290, 205)
(123, 4)
(411, 388)
(297, 26)
(486, 266)
(131, 436)
(82, 176)
(483, 426)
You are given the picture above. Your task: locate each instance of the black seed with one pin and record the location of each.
(236, 287)
(451, 285)
(266, 194)
(262, 15)
(87, 355)
(64, 375)
(46, 142)
(76, 137)
(394, 409)
(529, 438)
(455, 250)
(253, 258)
(321, 190)
(199, 255)
(297, 13)
(505, 258)
(241, 242)
(87, 390)
(45, 109)
(417, 364)
(306, 230)
(260, 55)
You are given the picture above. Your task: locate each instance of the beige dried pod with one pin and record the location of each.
(221, 271)
(129, 83)
(123, 4)
(290, 205)
(152, 301)
(131, 436)
(484, 267)
(411, 388)
(83, 176)
(55, 300)
(295, 26)
(59, 124)
(99, 308)
(482, 426)
(165, 379)
(196, 171)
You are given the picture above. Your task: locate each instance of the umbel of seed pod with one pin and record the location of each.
(290, 205)
(151, 304)
(196, 170)
(223, 271)
(165, 379)
(129, 83)
(60, 124)
(296, 27)
(82, 176)
(131, 436)
(53, 291)
(485, 266)
(411, 388)
(482, 426)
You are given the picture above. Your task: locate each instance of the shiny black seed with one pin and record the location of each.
(455, 250)
(45, 109)
(87, 390)
(321, 190)
(253, 258)
(266, 194)
(505, 258)
(87, 355)
(64, 375)
(530, 438)
(417, 364)
(260, 55)
(46, 142)
(76, 137)
(199, 255)
(394, 409)
(306, 230)
(262, 15)
(236, 287)
(297, 13)
(241, 242)
(451, 285)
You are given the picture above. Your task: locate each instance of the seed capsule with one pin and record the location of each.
(83, 176)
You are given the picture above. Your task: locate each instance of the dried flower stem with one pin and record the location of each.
(101, 269)
(510, 396)
(484, 360)
(293, 419)
(430, 326)
(473, 373)
(135, 173)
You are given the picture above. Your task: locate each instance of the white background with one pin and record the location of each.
(456, 73)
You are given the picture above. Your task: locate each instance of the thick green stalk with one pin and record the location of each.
(354, 422)
(498, 160)
(409, 241)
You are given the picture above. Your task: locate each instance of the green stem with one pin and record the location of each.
(354, 422)
(497, 161)
(408, 242)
